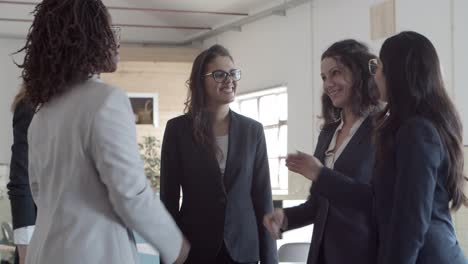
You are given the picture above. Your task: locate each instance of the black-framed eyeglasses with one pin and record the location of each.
(373, 65)
(221, 76)
(116, 30)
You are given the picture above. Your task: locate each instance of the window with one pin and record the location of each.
(270, 107)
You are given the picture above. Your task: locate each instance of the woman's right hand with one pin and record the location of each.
(304, 164)
(274, 222)
(184, 251)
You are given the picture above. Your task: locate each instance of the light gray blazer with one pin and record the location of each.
(88, 182)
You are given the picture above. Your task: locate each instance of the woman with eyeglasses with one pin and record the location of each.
(219, 160)
(344, 230)
(85, 170)
(419, 178)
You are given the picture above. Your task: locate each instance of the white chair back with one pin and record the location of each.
(293, 252)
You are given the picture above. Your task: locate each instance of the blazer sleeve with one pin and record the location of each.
(343, 190)
(23, 209)
(262, 199)
(170, 172)
(305, 213)
(418, 156)
(114, 150)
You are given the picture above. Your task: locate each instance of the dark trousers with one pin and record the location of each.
(223, 257)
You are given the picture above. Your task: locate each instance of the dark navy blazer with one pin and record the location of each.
(217, 210)
(344, 228)
(412, 202)
(23, 209)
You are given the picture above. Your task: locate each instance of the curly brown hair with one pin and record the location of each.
(68, 41)
(364, 98)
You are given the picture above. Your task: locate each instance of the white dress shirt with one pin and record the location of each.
(333, 153)
(22, 236)
(221, 156)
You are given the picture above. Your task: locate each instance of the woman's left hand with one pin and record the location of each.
(304, 164)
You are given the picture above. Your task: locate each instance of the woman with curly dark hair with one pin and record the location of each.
(342, 217)
(219, 160)
(85, 170)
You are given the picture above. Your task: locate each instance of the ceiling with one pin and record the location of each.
(170, 22)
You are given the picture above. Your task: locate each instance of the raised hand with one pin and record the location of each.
(304, 164)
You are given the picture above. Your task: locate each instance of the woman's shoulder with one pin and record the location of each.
(421, 135)
(97, 91)
(418, 127)
(329, 127)
(178, 121)
(23, 108)
(246, 121)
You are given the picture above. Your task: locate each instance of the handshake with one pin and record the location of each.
(276, 223)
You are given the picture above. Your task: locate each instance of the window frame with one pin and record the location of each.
(282, 187)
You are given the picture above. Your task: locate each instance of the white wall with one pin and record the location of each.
(431, 18)
(460, 62)
(287, 50)
(445, 24)
(335, 20)
(278, 50)
(9, 83)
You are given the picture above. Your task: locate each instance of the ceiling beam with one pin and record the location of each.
(121, 25)
(144, 9)
(197, 39)
(279, 9)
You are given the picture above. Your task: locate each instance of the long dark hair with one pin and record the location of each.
(196, 103)
(365, 96)
(69, 40)
(415, 88)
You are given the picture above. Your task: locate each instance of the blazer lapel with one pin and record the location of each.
(362, 132)
(202, 154)
(233, 148)
(327, 137)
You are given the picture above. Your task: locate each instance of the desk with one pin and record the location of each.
(7, 252)
(7, 248)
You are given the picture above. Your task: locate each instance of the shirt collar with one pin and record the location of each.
(356, 124)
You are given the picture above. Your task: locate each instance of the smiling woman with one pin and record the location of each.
(344, 154)
(219, 159)
(346, 81)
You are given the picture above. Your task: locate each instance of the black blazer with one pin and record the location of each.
(23, 209)
(215, 209)
(412, 202)
(344, 229)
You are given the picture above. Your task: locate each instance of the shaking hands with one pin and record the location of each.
(275, 223)
(301, 163)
